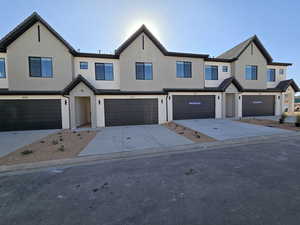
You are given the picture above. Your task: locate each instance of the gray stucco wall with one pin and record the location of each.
(248, 58)
(164, 68)
(27, 45)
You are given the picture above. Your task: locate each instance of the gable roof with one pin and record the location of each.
(283, 85)
(24, 26)
(144, 29)
(236, 51)
(231, 80)
(75, 82)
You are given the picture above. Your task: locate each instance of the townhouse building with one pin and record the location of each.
(45, 83)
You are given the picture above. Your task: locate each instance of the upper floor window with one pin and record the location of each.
(184, 69)
(143, 71)
(211, 72)
(84, 65)
(271, 75)
(40, 67)
(104, 71)
(251, 72)
(281, 71)
(225, 69)
(2, 68)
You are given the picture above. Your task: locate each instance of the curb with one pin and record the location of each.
(143, 153)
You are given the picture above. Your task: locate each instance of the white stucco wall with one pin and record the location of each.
(100, 110)
(221, 75)
(90, 74)
(278, 77)
(218, 102)
(4, 81)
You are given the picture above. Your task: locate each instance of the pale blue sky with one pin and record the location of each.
(203, 26)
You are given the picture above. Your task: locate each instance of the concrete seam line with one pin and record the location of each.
(140, 153)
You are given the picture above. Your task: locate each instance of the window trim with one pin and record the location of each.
(268, 75)
(226, 69)
(4, 77)
(185, 77)
(281, 69)
(211, 66)
(83, 68)
(245, 75)
(113, 75)
(41, 76)
(144, 70)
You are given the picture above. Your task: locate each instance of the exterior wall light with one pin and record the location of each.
(99, 101)
(66, 102)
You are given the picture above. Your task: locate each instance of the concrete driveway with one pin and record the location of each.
(128, 138)
(224, 129)
(11, 141)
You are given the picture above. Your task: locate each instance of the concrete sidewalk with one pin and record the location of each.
(151, 152)
(11, 141)
(130, 138)
(225, 129)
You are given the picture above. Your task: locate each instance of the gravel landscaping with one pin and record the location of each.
(271, 123)
(60, 145)
(189, 133)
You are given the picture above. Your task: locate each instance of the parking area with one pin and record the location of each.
(128, 138)
(224, 129)
(11, 141)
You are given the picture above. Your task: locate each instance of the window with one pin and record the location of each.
(271, 75)
(143, 71)
(104, 71)
(84, 65)
(40, 67)
(251, 73)
(2, 68)
(281, 71)
(211, 72)
(225, 69)
(184, 69)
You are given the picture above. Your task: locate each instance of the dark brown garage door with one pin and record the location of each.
(258, 105)
(130, 111)
(30, 114)
(193, 106)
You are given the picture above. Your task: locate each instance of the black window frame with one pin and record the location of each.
(274, 70)
(113, 76)
(144, 75)
(214, 66)
(185, 63)
(81, 62)
(4, 69)
(256, 74)
(40, 62)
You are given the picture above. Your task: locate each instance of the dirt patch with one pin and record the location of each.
(271, 123)
(60, 145)
(188, 133)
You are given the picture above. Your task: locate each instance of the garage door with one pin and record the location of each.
(193, 106)
(30, 114)
(258, 105)
(130, 111)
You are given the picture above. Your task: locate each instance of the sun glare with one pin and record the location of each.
(136, 25)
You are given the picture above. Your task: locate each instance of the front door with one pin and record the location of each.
(230, 105)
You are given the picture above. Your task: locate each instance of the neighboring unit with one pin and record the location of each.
(45, 83)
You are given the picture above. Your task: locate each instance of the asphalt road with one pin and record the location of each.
(257, 184)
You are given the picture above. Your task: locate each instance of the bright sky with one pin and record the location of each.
(196, 26)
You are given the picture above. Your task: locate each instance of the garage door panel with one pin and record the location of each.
(193, 106)
(30, 114)
(258, 105)
(130, 111)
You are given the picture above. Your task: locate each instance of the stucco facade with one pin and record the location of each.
(82, 96)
